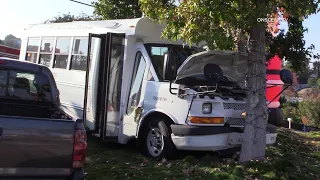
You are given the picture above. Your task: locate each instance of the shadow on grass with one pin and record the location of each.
(290, 158)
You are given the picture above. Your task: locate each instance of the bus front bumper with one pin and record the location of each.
(212, 138)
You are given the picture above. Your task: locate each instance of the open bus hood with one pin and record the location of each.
(233, 64)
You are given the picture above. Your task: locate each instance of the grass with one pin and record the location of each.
(294, 156)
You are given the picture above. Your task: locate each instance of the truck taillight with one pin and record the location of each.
(80, 147)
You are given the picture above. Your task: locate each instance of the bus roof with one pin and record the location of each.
(120, 25)
(144, 28)
(137, 27)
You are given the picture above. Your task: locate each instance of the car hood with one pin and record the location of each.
(233, 64)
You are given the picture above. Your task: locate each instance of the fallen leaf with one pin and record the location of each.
(185, 171)
(164, 160)
(143, 164)
(88, 160)
(216, 169)
(134, 167)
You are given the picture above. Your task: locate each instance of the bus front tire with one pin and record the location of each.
(156, 140)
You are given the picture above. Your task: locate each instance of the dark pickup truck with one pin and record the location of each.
(38, 139)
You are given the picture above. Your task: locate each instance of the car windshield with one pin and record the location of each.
(157, 52)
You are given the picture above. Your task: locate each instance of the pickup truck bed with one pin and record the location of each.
(38, 138)
(36, 146)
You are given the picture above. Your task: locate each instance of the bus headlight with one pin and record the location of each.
(206, 108)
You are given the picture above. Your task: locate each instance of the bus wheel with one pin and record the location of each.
(157, 140)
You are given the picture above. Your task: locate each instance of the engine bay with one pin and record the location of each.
(225, 88)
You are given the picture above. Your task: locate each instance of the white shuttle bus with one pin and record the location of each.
(127, 82)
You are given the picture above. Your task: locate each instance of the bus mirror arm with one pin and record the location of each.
(286, 87)
(286, 77)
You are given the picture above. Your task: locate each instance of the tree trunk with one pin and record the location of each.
(137, 11)
(240, 40)
(254, 140)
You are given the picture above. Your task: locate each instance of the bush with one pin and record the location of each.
(290, 110)
(318, 83)
(309, 108)
(312, 82)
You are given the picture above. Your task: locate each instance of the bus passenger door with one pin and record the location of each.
(103, 84)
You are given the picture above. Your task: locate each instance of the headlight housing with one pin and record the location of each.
(206, 108)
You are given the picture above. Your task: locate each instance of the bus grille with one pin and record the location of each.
(234, 106)
(235, 121)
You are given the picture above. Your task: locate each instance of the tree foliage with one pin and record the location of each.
(309, 107)
(318, 83)
(69, 18)
(290, 110)
(304, 75)
(215, 21)
(11, 41)
(117, 9)
(312, 82)
(291, 45)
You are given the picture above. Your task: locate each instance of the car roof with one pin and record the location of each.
(17, 64)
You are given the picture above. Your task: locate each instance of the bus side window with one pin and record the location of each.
(136, 83)
(3, 82)
(61, 53)
(46, 51)
(79, 54)
(32, 49)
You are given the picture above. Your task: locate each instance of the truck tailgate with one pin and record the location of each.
(31, 146)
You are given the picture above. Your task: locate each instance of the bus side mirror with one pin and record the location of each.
(286, 77)
(170, 68)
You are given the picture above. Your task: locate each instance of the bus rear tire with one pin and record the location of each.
(156, 140)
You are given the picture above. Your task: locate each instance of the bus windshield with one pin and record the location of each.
(157, 52)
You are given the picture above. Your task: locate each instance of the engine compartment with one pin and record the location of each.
(226, 88)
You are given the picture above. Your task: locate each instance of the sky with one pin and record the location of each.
(15, 14)
(313, 36)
